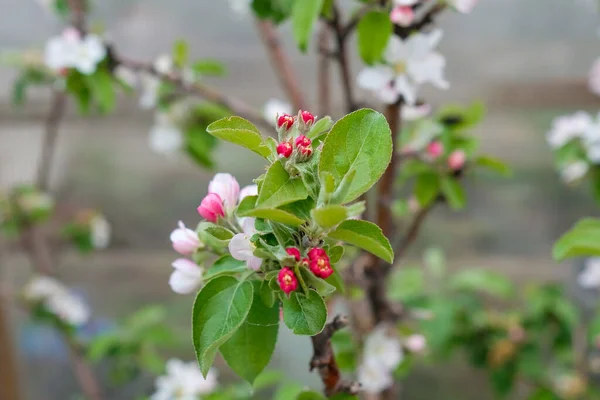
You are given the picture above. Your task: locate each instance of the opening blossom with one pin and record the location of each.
(71, 50)
(211, 207)
(184, 381)
(185, 241)
(187, 276)
(408, 64)
(228, 189)
(242, 249)
(57, 299)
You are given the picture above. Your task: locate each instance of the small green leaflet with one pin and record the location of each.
(305, 14)
(239, 131)
(581, 240)
(374, 31)
(304, 314)
(247, 208)
(279, 188)
(365, 235)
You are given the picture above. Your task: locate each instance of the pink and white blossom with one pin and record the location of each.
(408, 64)
(184, 381)
(187, 276)
(228, 189)
(402, 15)
(185, 241)
(242, 249)
(415, 343)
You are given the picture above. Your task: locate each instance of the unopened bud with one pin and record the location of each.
(435, 149)
(294, 252)
(285, 121)
(307, 117)
(285, 149)
(303, 141)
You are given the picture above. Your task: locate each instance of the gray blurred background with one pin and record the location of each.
(526, 60)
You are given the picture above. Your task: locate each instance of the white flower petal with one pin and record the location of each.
(228, 189)
(275, 107)
(374, 378)
(240, 247)
(406, 89)
(250, 190)
(375, 78)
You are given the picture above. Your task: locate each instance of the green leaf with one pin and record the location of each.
(288, 391)
(239, 131)
(374, 31)
(321, 126)
(359, 143)
(365, 235)
(330, 216)
(335, 254)
(427, 187)
(250, 348)
(267, 379)
(494, 165)
(208, 67)
(321, 286)
(199, 145)
(102, 90)
(280, 188)
(225, 265)
(220, 308)
(453, 192)
(266, 294)
(480, 280)
(582, 240)
(214, 235)
(310, 395)
(304, 314)
(304, 16)
(247, 209)
(180, 53)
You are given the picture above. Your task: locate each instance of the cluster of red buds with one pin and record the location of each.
(301, 143)
(317, 261)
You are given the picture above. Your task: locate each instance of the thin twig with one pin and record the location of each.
(386, 185)
(323, 359)
(406, 240)
(281, 63)
(56, 114)
(324, 82)
(237, 106)
(343, 61)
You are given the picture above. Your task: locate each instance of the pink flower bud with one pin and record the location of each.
(285, 149)
(415, 343)
(303, 141)
(456, 160)
(287, 280)
(211, 207)
(316, 252)
(435, 149)
(402, 15)
(285, 121)
(292, 251)
(185, 241)
(321, 267)
(307, 117)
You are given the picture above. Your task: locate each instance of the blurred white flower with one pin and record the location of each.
(71, 50)
(574, 171)
(274, 108)
(412, 113)
(164, 64)
(240, 7)
(57, 299)
(589, 277)
(149, 84)
(463, 6)
(183, 381)
(382, 348)
(165, 137)
(568, 127)
(408, 64)
(187, 276)
(242, 249)
(127, 76)
(100, 232)
(374, 378)
(415, 343)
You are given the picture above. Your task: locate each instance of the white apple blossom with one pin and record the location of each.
(408, 64)
(149, 84)
(228, 189)
(589, 277)
(374, 378)
(184, 381)
(165, 137)
(574, 171)
(127, 75)
(240, 7)
(275, 107)
(382, 348)
(71, 50)
(185, 241)
(567, 128)
(187, 276)
(413, 113)
(463, 6)
(242, 249)
(100, 232)
(250, 190)
(57, 299)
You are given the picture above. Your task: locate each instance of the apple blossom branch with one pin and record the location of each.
(323, 360)
(281, 63)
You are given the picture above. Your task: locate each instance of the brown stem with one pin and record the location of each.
(237, 106)
(85, 376)
(343, 61)
(323, 360)
(57, 111)
(386, 184)
(412, 233)
(77, 9)
(324, 106)
(281, 63)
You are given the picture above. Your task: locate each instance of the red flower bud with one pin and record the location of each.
(303, 141)
(321, 267)
(285, 121)
(287, 280)
(285, 149)
(292, 251)
(307, 117)
(435, 149)
(316, 252)
(305, 151)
